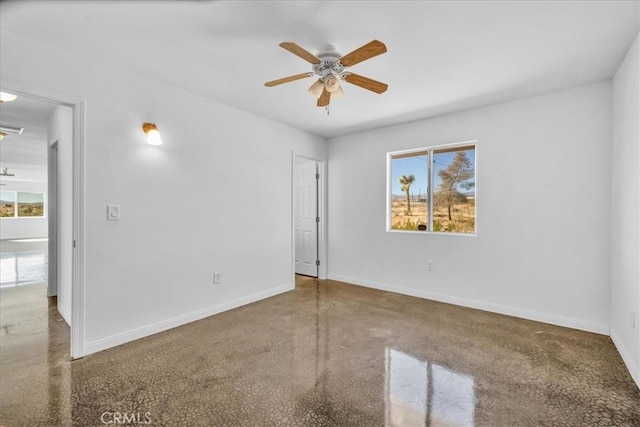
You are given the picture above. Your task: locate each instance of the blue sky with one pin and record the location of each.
(7, 196)
(30, 197)
(418, 167)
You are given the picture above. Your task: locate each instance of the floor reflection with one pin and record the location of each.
(34, 340)
(420, 393)
(22, 268)
(326, 354)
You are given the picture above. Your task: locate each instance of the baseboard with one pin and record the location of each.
(626, 357)
(583, 325)
(154, 328)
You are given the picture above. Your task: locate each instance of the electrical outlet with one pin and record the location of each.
(216, 278)
(429, 265)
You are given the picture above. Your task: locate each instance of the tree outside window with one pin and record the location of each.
(433, 189)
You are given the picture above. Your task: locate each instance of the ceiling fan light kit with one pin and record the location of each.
(337, 93)
(16, 130)
(331, 83)
(316, 88)
(5, 172)
(331, 67)
(7, 130)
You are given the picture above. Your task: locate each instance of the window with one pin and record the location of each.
(21, 204)
(8, 204)
(433, 189)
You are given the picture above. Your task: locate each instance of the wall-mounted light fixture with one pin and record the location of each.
(153, 135)
(7, 97)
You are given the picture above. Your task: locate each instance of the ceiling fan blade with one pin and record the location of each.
(366, 83)
(287, 79)
(302, 53)
(369, 50)
(323, 101)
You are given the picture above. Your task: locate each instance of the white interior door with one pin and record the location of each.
(305, 217)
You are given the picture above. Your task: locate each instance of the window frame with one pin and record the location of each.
(429, 151)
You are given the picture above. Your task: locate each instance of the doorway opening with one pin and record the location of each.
(45, 159)
(308, 218)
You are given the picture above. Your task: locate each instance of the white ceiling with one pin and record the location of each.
(442, 56)
(25, 155)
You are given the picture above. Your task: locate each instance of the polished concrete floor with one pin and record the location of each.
(23, 262)
(326, 354)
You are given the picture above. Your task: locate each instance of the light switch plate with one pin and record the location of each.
(113, 212)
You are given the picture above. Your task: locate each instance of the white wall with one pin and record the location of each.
(625, 221)
(60, 129)
(215, 197)
(543, 182)
(24, 228)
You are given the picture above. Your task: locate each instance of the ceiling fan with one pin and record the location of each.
(331, 67)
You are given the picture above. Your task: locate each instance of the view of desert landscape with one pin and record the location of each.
(463, 216)
(8, 209)
(452, 172)
(24, 209)
(28, 204)
(30, 209)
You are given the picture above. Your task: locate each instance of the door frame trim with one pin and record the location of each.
(77, 348)
(322, 212)
(53, 220)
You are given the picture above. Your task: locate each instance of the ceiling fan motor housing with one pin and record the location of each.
(330, 63)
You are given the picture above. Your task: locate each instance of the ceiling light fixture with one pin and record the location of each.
(153, 135)
(2, 135)
(331, 83)
(316, 88)
(337, 93)
(7, 97)
(331, 67)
